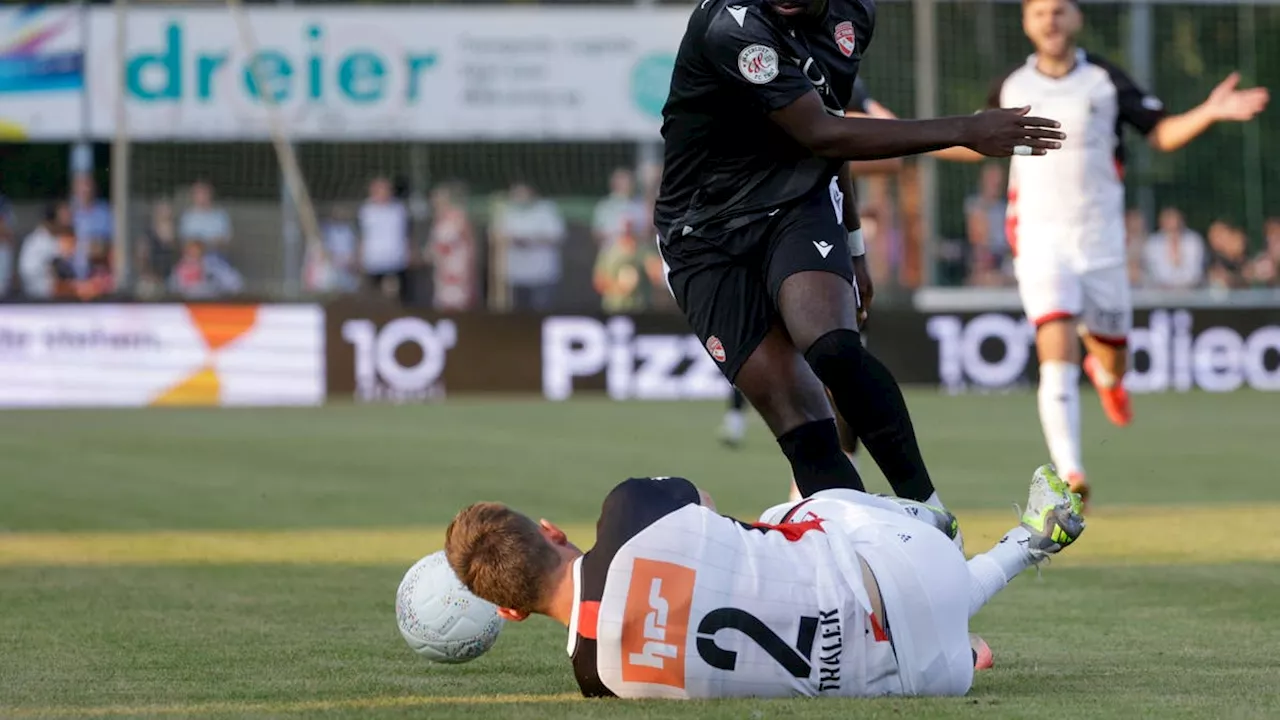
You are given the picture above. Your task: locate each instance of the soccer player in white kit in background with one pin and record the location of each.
(1066, 213)
(842, 594)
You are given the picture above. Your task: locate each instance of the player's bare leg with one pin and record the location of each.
(819, 311)
(1105, 364)
(1059, 398)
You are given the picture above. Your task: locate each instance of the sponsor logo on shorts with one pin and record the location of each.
(845, 39)
(655, 623)
(716, 348)
(758, 64)
(824, 248)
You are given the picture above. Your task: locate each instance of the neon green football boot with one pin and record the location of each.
(1054, 515)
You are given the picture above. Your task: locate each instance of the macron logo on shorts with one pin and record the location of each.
(824, 248)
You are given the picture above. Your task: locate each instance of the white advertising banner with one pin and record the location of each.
(146, 355)
(365, 73)
(41, 72)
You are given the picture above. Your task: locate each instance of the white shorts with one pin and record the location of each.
(1100, 298)
(924, 583)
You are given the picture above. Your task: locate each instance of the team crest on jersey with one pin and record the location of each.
(845, 39)
(758, 64)
(716, 348)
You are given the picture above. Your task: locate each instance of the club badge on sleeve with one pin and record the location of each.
(758, 64)
(845, 39)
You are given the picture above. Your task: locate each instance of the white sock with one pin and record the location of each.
(992, 570)
(735, 424)
(1060, 414)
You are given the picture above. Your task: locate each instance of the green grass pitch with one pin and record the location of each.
(243, 563)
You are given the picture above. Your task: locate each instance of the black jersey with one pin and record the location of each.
(726, 163)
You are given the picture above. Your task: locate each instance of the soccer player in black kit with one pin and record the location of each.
(755, 216)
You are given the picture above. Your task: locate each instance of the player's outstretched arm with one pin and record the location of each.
(1226, 103)
(994, 133)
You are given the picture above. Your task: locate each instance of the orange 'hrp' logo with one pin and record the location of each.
(655, 624)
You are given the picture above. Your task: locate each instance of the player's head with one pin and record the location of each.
(1052, 25)
(795, 8)
(506, 558)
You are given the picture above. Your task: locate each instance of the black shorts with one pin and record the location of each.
(727, 286)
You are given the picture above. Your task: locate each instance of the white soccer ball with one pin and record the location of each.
(439, 618)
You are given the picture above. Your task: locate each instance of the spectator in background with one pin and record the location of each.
(1173, 258)
(1135, 243)
(1264, 271)
(384, 240)
(627, 273)
(92, 218)
(205, 223)
(39, 249)
(622, 211)
(1226, 268)
(99, 280)
(199, 275)
(7, 251)
(331, 265)
(529, 232)
(451, 250)
(985, 225)
(61, 271)
(158, 249)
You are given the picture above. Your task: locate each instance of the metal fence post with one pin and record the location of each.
(924, 18)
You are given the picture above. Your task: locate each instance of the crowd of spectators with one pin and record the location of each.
(453, 255)
(1172, 257)
(1177, 257)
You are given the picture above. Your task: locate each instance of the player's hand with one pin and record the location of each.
(1000, 133)
(866, 290)
(1228, 103)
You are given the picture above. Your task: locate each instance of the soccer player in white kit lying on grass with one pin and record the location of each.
(841, 594)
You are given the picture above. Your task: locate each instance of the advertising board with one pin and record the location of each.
(150, 355)
(395, 72)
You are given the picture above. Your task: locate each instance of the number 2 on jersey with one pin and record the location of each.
(796, 660)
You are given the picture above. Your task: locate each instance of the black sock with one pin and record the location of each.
(737, 401)
(817, 463)
(870, 400)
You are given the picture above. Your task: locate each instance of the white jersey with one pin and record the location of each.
(677, 601)
(1067, 208)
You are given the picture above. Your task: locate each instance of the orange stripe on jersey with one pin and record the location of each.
(655, 623)
(793, 531)
(877, 630)
(588, 619)
(1119, 169)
